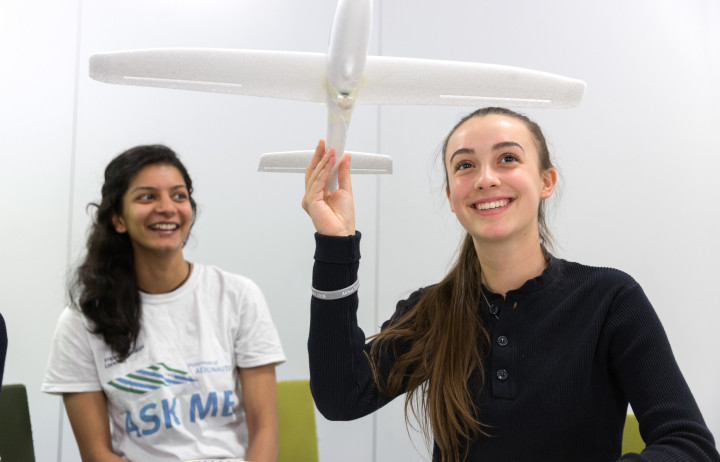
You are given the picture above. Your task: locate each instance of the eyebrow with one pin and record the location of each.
(507, 144)
(496, 147)
(150, 188)
(462, 151)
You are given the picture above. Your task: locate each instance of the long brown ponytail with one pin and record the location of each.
(448, 342)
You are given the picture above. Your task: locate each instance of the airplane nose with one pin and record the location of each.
(349, 44)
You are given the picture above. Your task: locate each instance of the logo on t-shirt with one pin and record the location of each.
(151, 378)
(113, 360)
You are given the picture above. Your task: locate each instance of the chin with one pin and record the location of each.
(495, 235)
(164, 249)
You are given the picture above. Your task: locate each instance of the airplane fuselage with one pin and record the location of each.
(347, 53)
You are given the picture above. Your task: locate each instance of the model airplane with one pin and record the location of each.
(346, 75)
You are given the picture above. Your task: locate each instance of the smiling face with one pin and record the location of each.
(495, 182)
(156, 211)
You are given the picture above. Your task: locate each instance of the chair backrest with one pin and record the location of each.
(632, 441)
(296, 422)
(16, 443)
(3, 348)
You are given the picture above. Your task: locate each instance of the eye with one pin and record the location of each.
(180, 196)
(462, 165)
(145, 197)
(505, 158)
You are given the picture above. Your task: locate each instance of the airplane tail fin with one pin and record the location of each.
(297, 161)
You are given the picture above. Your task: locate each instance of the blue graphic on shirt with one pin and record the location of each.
(154, 416)
(151, 378)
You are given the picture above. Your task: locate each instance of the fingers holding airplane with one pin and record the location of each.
(344, 174)
(332, 213)
(314, 161)
(316, 174)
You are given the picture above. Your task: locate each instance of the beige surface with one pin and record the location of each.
(216, 460)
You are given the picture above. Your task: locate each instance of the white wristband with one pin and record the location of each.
(336, 294)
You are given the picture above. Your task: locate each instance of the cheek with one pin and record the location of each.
(523, 181)
(135, 216)
(187, 212)
(457, 191)
(461, 186)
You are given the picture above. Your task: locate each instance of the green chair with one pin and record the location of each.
(296, 422)
(16, 443)
(632, 441)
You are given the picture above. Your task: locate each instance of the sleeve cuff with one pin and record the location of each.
(337, 249)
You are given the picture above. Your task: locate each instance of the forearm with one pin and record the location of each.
(88, 417)
(670, 421)
(104, 456)
(263, 445)
(259, 396)
(341, 377)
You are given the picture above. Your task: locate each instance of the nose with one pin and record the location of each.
(487, 178)
(165, 205)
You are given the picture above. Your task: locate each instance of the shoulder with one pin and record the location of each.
(414, 298)
(72, 321)
(603, 290)
(210, 275)
(75, 330)
(406, 305)
(228, 288)
(580, 276)
(3, 337)
(598, 292)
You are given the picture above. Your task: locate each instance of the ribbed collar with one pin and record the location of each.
(536, 284)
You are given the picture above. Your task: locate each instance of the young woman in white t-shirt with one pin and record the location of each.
(137, 301)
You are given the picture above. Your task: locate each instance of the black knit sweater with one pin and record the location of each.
(570, 349)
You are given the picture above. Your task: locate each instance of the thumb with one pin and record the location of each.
(344, 174)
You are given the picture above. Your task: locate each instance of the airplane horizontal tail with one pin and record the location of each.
(297, 161)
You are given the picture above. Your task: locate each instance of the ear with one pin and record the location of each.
(447, 193)
(549, 179)
(119, 223)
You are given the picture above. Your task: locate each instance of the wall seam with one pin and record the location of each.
(378, 203)
(71, 192)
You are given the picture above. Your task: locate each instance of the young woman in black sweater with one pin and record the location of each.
(515, 355)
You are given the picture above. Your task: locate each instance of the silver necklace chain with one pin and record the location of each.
(482, 292)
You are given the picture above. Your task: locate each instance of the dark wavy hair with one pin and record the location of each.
(440, 361)
(105, 286)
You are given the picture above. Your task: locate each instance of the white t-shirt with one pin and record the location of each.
(176, 397)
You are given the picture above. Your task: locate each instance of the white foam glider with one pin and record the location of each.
(344, 76)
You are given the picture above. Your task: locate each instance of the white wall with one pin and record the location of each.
(637, 159)
(37, 52)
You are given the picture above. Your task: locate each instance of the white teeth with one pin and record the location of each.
(492, 205)
(164, 226)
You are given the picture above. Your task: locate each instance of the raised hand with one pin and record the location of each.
(333, 213)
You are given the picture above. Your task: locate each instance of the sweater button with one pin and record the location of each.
(502, 375)
(502, 341)
(493, 309)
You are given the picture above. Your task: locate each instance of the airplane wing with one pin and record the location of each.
(276, 74)
(301, 76)
(451, 83)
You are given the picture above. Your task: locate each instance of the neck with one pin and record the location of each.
(159, 274)
(508, 265)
